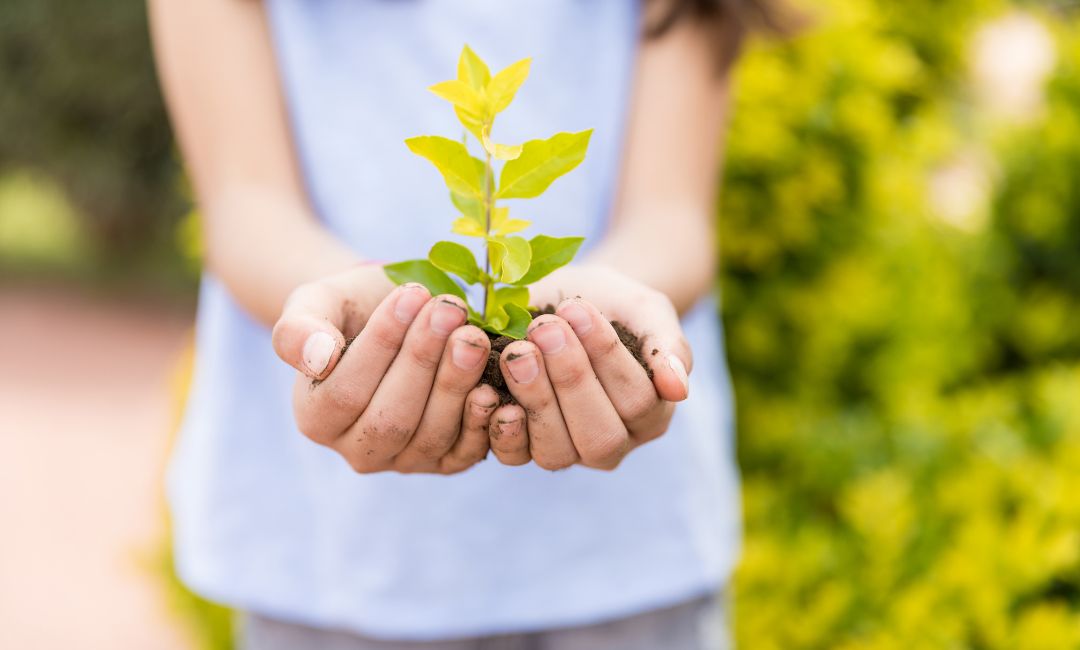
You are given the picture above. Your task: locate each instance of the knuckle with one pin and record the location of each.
(570, 376)
(335, 396)
(414, 466)
(605, 452)
(609, 346)
(451, 384)
(423, 357)
(553, 464)
(362, 463)
(649, 433)
(537, 408)
(384, 336)
(386, 430)
(433, 446)
(639, 405)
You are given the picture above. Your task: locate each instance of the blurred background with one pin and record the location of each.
(900, 229)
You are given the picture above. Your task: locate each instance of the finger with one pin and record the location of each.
(459, 371)
(508, 436)
(599, 435)
(472, 445)
(308, 335)
(664, 347)
(325, 409)
(549, 439)
(625, 381)
(392, 416)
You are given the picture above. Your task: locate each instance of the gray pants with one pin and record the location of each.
(695, 625)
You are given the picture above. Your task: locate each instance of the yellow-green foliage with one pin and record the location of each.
(528, 170)
(908, 390)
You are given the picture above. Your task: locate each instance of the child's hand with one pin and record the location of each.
(404, 395)
(583, 397)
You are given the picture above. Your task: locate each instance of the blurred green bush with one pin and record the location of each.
(80, 111)
(908, 376)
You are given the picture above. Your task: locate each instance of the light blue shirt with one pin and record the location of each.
(268, 521)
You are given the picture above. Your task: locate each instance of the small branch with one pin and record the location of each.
(488, 282)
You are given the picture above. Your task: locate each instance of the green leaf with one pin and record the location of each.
(470, 206)
(518, 321)
(425, 273)
(461, 95)
(466, 226)
(510, 257)
(455, 258)
(540, 163)
(505, 85)
(472, 70)
(463, 173)
(548, 254)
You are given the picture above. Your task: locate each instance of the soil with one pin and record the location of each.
(493, 372)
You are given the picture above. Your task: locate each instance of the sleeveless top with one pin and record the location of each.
(266, 520)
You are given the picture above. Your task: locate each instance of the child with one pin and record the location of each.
(390, 533)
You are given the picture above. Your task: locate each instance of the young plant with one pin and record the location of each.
(510, 262)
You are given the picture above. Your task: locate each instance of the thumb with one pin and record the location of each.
(666, 350)
(308, 335)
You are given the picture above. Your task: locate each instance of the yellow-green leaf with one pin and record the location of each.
(425, 273)
(499, 314)
(510, 258)
(462, 96)
(455, 258)
(505, 84)
(471, 207)
(502, 224)
(472, 69)
(463, 173)
(500, 151)
(548, 254)
(470, 122)
(466, 226)
(540, 163)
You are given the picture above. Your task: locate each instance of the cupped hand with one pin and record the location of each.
(582, 396)
(403, 395)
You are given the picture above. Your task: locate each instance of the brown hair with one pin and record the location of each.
(728, 21)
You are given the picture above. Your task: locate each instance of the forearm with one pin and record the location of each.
(672, 250)
(262, 244)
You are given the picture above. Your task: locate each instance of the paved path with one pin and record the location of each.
(85, 412)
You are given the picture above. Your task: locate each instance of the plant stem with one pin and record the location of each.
(488, 282)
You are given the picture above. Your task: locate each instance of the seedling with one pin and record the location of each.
(510, 262)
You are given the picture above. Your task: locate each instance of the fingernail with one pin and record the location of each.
(318, 349)
(466, 354)
(578, 318)
(511, 428)
(676, 365)
(523, 367)
(482, 410)
(549, 337)
(409, 304)
(446, 317)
